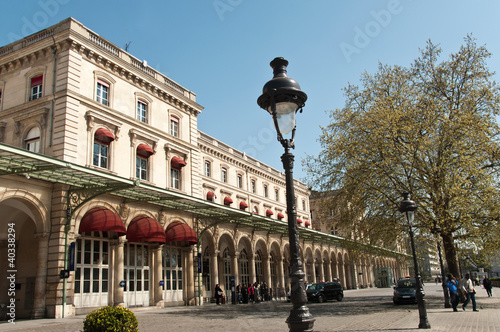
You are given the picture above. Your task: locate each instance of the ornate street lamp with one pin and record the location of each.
(436, 231)
(282, 98)
(408, 207)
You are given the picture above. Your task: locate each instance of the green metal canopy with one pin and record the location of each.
(86, 183)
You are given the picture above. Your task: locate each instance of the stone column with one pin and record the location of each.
(118, 271)
(235, 268)
(214, 266)
(189, 276)
(251, 262)
(281, 276)
(322, 270)
(267, 271)
(328, 275)
(313, 272)
(41, 276)
(156, 276)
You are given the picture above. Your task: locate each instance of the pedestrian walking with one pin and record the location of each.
(487, 286)
(251, 293)
(452, 285)
(218, 294)
(468, 287)
(244, 292)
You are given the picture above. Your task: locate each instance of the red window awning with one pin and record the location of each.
(177, 163)
(37, 81)
(299, 221)
(269, 213)
(243, 205)
(145, 150)
(280, 216)
(102, 219)
(179, 231)
(307, 223)
(228, 201)
(210, 196)
(104, 135)
(145, 229)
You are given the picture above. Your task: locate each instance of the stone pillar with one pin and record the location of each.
(281, 276)
(214, 266)
(322, 270)
(251, 262)
(267, 271)
(313, 272)
(235, 268)
(328, 275)
(156, 276)
(118, 270)
(41, 276)
(189, 276)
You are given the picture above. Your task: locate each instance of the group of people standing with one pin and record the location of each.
(466, 289)
(254, 293)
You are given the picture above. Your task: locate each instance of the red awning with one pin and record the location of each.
(308, 223)
(280, 216)
(179, 231)
(269, 213)
(104, 134)
(145, 229)
(177, 163)
(211, 196)
(228, 201)
(37, 81)
(243, 205)
(102, 219)
(145, 150)
(299, 221)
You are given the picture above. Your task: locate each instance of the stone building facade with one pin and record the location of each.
(105, 176)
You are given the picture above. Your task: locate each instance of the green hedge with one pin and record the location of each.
(112, 319)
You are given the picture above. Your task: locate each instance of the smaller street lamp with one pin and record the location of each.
(408, 207)
(282, 98)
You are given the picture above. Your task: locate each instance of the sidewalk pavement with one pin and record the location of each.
(361, 310)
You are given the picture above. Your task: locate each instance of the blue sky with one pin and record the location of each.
(221, 49)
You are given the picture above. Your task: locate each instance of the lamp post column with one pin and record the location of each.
(299, 319)
(424, 323)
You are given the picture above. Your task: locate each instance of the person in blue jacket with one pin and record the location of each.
(453, 289)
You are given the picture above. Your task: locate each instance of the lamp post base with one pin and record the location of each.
(300, 320)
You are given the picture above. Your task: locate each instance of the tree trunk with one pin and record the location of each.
(450, 254)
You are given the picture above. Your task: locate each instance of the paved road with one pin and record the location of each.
(361, 310)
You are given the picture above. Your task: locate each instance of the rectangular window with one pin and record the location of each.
(253, 186)
(304, 204)
(276, 195)
(141, 168)
(36, 87)
(265, 191)
(175, 181)
(142, 112)
(102, 93)
(100, 155)
(207, 168)
(224, 175)
(239, 181)
(174, 126)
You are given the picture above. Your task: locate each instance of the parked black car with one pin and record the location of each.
(325, 291)
(404, 291)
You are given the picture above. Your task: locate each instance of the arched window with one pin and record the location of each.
(258, 267)
(32, 140)
(227, 269)
(244, 273)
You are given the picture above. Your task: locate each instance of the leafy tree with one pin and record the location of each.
(429, 129)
